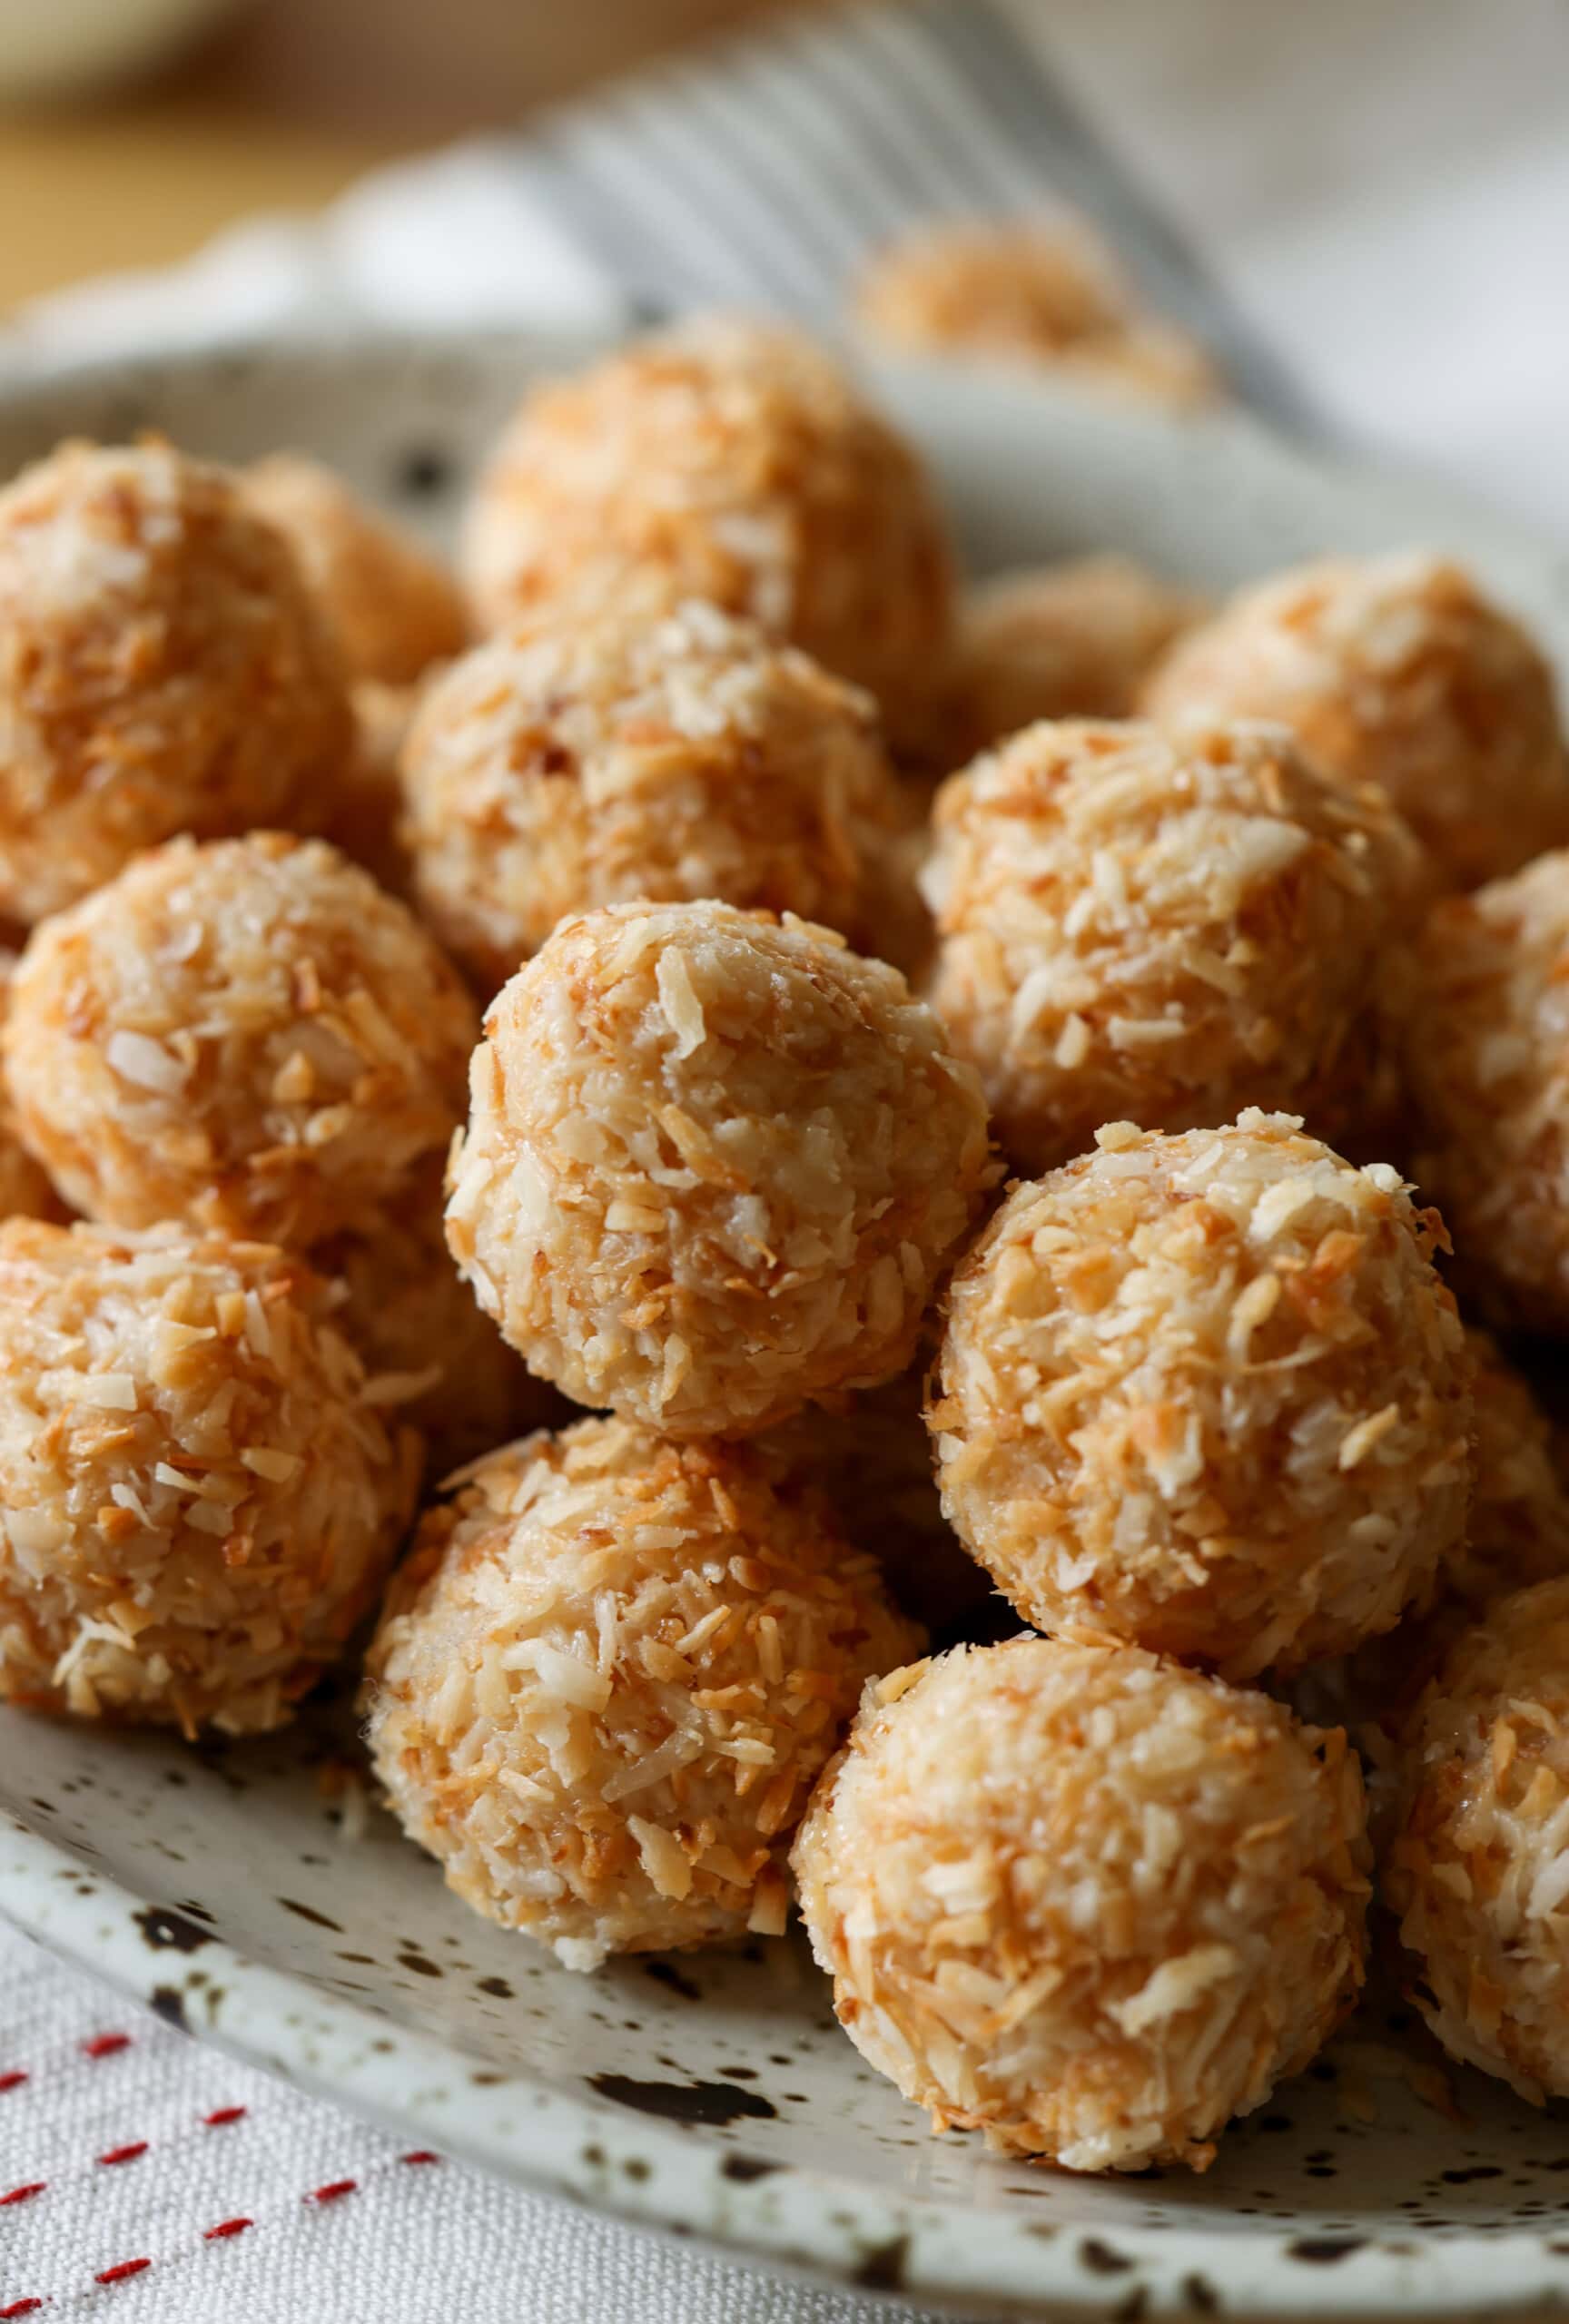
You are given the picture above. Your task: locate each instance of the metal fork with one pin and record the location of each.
(765, 171)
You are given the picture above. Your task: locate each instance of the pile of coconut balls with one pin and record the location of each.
(438, 1005)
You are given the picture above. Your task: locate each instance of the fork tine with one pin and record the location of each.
(758, 168)
(1043, 123)
(951, 142)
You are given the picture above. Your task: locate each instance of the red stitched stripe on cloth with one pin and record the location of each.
(22, 2194)
(126, 2153)
(333, 2190)
(12, 2081)
(220, 2115)
(226, 2227)
(104, 2045)
(117, 2275)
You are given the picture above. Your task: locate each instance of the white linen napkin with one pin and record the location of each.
(1368, 211)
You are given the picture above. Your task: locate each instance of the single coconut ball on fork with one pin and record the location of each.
(165, 670)
(1043, 293)
(1208, 1393)
(197, 1503)
(606, 1678)
(1089, 1902)
(714, 1167)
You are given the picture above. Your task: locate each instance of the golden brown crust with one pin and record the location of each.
(1480, 1011)
(392, 605)
(1075, 639)
(730, 461)
(163, 670)
(606, 1678)
(199, 1498)
(584, 763)
(1478, 1872)
(1399, 671)
(1088, 1903)
(1208, 1394)
(715, 1162)
(1156, 927)
(247, 1035)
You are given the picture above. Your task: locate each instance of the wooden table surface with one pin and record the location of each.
(286, 105)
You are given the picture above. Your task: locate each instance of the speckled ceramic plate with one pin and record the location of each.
(713, 2095)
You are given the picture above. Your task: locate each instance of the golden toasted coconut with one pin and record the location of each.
(1075, 639)
(198, 1499)
(1044, 294)
(1516, 1534)
(872, 1459)
(733, 461)
(1089, 1902)
(715, 1162)
(1156, 927)
(606, 1678)
(1479, 1005)
(590, 761)
(248, 1034)
(1478, 1871)
(365, 809)
(26, 1190)
(436, 1355)
(164, 670)
(1208, 1392)
(393, 607)
(1400, 671)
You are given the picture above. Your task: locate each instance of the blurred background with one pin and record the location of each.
(1376, 191)
(137, 128)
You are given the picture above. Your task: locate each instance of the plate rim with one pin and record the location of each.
(280, 2022)
(291, 2025)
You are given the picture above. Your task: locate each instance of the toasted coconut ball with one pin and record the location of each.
(1518, 1530)
(1084, 1901)
(731, 461)
(364, 813)
(26, 1188)
(589, 763)
(1208, 1392)
(1480, 1005)
(1045, 295)
(437, 1356)
(163, 670)
(394, 608)
(1478, 1873)
(714, 1164)
(247, 1035)
(198, 1499)
(1517, 1534)
(1156, 927)
(1071, 640)
(871, 1458)
(1396, 670)
(605, 1681)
